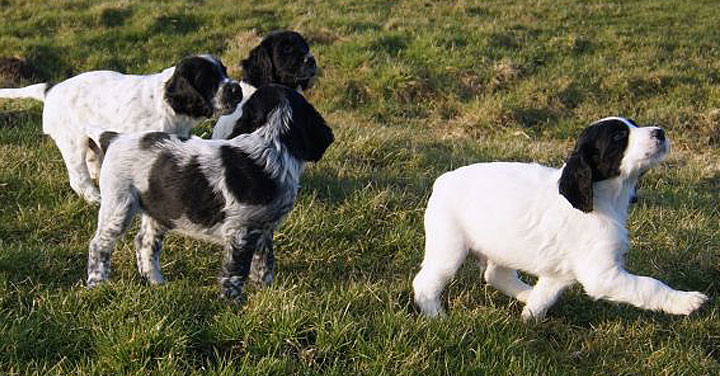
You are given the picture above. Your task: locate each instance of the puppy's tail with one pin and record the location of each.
(36, 91)
(99, 140)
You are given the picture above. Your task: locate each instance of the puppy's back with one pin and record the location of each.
(499, 207)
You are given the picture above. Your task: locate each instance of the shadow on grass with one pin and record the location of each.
(51, 267)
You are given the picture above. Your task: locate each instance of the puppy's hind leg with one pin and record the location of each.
(506, 280)
(445, 251)
(92, 161)
(263, 262)
(543, 295)
(114, 217)
(148, 243)
(73, 154)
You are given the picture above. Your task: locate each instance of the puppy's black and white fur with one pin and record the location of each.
(232, 192)
(282, 57)
(174, 100)
(563, 225)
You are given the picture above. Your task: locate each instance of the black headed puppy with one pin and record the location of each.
(282, 57)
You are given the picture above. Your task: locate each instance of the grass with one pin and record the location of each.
(412, 89)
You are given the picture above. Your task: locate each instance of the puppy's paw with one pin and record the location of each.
(529, 316)
(262, 281)
(155, 279)
(522, 296)
(686, 302)
(92, 196)
(429, 307)
(94, 282)
(231, 288)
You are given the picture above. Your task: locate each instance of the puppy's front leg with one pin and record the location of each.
(618, 285)
(239, 252)
(263, 262)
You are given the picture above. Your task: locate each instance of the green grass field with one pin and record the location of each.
(411, 89)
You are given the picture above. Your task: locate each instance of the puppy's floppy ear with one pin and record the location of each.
(258, 67)
(576, 182)
(184, 98)
(308, 135)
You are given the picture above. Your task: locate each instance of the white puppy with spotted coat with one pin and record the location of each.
(174, 100)
(563, 225)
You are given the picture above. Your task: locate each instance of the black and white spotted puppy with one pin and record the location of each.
(282, 57)
(174, 100)
(232, 192)
(563, 225)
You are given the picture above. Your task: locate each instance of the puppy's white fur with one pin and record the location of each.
(511, 216)
(108, 100)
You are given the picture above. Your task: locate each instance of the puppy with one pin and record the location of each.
(563, 225)
(232, 192)
(282, 57)
(174, 100)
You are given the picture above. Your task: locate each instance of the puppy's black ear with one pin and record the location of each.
(576, 182)
(184, 98)
(308, 135)
(258, 67)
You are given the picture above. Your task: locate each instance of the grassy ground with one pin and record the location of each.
(412, 89)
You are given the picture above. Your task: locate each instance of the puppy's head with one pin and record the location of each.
(609, 148)
(283, 57)
(200, 87)
(280, 113)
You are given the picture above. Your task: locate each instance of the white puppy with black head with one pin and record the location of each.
(174, 100)
(232, 192)
(563, 225)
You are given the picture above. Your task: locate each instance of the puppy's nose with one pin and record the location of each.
(659, 134)
(310, 61)
(234, 91)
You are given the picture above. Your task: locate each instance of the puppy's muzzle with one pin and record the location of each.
(231, 95)
(662, 142)
(309, 66)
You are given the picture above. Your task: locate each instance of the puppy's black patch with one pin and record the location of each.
(597, 156)
(152, 139)
(281, 58)
(106, 138)
(202, 205)
(604, 144)
(175, 190)
(247, 181)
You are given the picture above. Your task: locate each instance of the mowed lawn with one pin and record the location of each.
(411, 89)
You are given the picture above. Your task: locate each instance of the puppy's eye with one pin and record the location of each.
(619, 136)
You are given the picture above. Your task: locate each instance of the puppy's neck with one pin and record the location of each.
(272, 155)
(611, 197)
